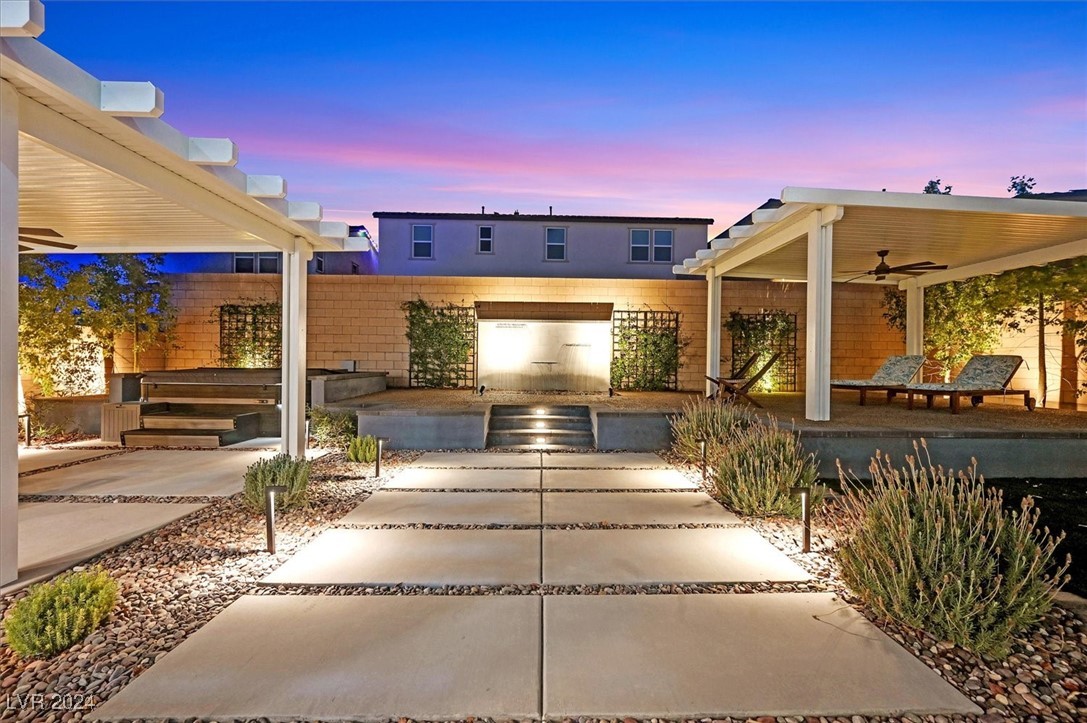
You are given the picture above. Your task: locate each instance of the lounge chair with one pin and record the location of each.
(983, 376)
(892, 377)
(736, 389)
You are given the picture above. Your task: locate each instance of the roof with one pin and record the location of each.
(541, 217)
(771, 203)
(973, 235)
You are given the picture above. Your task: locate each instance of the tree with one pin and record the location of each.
(50, 297)
(126, 293)
(1021, 185)
(933, 186)
(960, 320)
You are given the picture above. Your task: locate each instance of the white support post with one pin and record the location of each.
(293, 396)
(820, 258)
(713, 329)
(9, 331)
(915, 318)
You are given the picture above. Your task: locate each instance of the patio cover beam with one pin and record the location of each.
(9, 331)
(1037, 257)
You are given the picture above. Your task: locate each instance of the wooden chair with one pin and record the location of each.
(736, 389)
(983, 376)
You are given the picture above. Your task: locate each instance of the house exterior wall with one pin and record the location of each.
(593, 249)
(335, 262)
(359, 317)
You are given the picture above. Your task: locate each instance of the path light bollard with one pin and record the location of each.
(702, 451)
(805, 514)
(270, 493)
(27, 441)
(380, 451)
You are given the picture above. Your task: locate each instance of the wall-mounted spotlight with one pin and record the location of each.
(482, 388)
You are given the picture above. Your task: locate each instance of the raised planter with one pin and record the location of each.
(82, 415)
(634, 431)
(330, 388)
(426, 428)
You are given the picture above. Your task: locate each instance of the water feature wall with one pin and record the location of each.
(527, 355)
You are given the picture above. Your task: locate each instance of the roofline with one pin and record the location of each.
(932, 202)
(541, 217)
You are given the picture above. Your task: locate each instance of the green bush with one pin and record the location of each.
(363, 449)
(941, 554)
(56, 615)
(282, 469)
(709, 419)
(332, 430)
(758, 468)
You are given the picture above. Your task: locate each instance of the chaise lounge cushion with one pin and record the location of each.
(983, 372)
(896, 371)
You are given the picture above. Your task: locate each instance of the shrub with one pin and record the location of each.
(332, 430)
(709, 419)
(363, 449)
(759, 467)
(941, 554)
(56, 615)
(282, 469)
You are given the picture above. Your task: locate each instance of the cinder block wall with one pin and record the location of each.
(359, 317)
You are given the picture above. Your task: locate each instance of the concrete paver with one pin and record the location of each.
(335, 657)
(449, 508)
(582, 557)
(148, 472)
(689, 656)
(478, 459)
(32, 458)
(465, 479)
(633, 508)
(620, 479)
(418, 557)
(54, 536)
(603, 460)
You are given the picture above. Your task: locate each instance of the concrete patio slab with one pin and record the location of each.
(447, 508)
(160, 472)
(466, 479)
(417, 557)
(478, 460)
(619, 479)
(54, 536)
(603, 460)
(701, 656)
(633, 508)
(624, 557)
(34, 458)
(348, 658)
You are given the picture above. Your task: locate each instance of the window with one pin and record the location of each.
(263, 263)
(555, 246)
(662, 245)
(639, 244)
(422, 241)
(318, 263)
(486, 240)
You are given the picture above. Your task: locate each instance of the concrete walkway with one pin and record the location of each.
(524, 546)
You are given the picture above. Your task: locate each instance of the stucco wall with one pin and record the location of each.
(593, 250)
(356, 317)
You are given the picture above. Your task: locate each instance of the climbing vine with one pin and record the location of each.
(441, 344)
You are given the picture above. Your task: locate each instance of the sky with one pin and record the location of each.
(666, 109)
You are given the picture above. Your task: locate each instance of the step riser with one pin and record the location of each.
(133, 439)
(566, 410)
(167, 422)
(507, 423)
(503, 439)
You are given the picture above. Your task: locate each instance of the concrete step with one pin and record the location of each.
(244, 426)
(543, 421)
(564, 410)
(535, 437)
(187, 421)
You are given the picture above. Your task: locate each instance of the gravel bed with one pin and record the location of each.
(50, 468)
(177, 499)
(177, 578)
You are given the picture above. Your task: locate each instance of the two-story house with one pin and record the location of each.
(536, 245)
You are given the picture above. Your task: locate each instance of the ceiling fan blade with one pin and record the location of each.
(43, 242)
(917, 265)
(37, 231)
(856, 277)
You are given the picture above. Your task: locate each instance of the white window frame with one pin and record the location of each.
(547, 243)
(431, 241)
(480, 239)
(256, 258)
(671, 246)
(648, 246)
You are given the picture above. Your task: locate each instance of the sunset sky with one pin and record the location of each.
(701, 109)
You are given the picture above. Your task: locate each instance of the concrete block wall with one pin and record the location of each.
(359, 317)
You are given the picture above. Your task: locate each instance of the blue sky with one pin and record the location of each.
(701, 109)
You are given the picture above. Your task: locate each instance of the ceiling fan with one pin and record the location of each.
(41, 237)
(883, 269)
